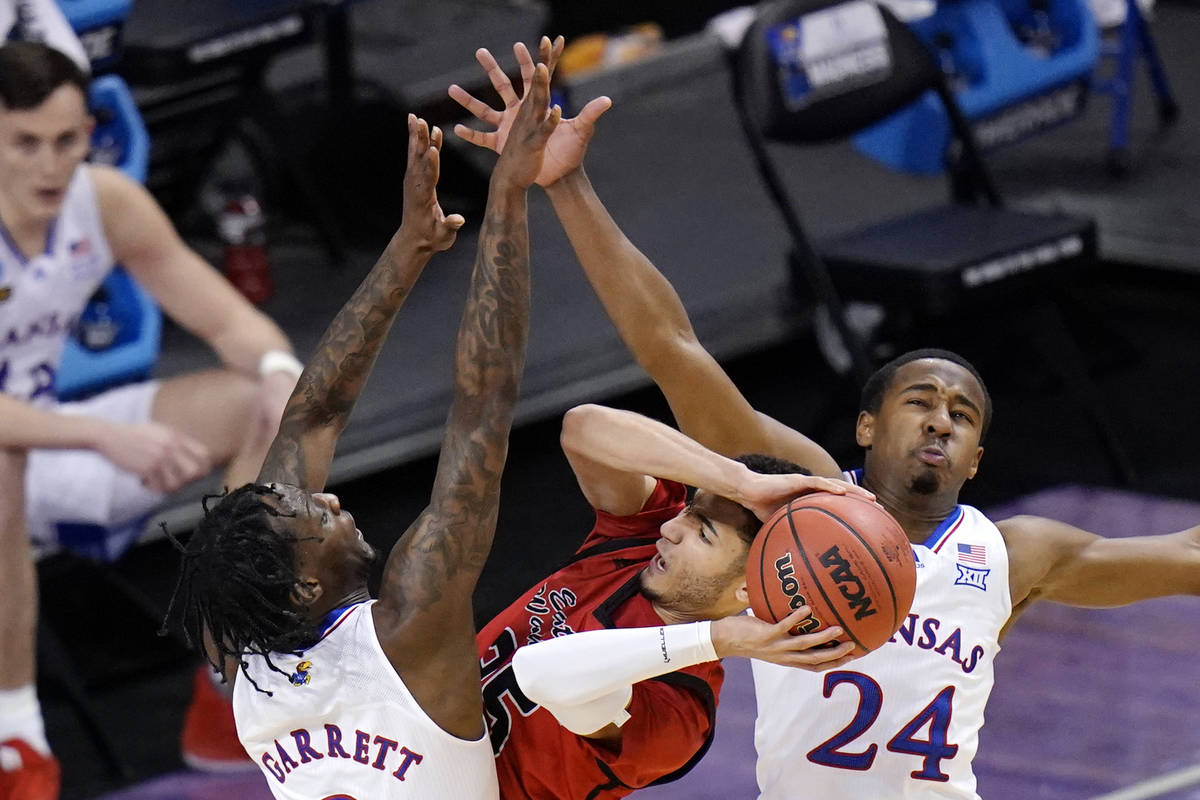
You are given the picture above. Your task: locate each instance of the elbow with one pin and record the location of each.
(536, 680)
(576, 424)
(669, 346)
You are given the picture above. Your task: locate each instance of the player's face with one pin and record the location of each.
(925, 438)
(699, 572)
(40, 148)
(329, 547)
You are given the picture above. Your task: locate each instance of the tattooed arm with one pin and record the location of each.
(319, 407)
(423, 617)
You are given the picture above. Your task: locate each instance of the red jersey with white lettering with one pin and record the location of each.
(671, 716)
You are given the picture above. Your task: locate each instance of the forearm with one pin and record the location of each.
(333, 379)
(1120, 571)
(586, 679)
(627, 442)
(490, 348)
(642, 304)
(246, 338)
(451, 539)
(23, 427)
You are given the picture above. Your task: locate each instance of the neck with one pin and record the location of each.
(317, 612)
(28, 232)
(670, 616)
(918, 515)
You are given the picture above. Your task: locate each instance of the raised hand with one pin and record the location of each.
(521, 161)
(423, 221)
(764, 494)
(569, 141)
(749, 637)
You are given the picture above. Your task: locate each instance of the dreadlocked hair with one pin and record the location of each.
(236, 583)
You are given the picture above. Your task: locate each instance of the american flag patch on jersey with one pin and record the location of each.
(972, 554)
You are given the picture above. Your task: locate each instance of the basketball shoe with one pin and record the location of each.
(26, 774)
(210, 741)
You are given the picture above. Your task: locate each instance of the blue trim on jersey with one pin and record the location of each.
(331, 619)
(51, 235)
(16, 249)
(941, 530)
(12, 245)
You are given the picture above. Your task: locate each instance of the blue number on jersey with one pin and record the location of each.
(933, 750)
(870, 699)
(43, 379)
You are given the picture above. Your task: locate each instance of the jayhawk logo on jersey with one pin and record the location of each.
(301, 677)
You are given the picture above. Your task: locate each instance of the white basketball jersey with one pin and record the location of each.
(341, 725)
(41, 297)
(902, 721)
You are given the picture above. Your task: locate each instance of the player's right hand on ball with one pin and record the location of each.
(164, 458)
(749, 637)
(764, 494)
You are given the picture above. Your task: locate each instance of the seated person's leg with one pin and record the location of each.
(27, 770)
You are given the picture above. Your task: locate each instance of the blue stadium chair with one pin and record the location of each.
(1018, 67)
(98, 24)
(120, 139)
(819, 71)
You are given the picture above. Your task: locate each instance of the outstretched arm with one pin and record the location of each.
(424, 617)
(1051, 560)
(586, 679)
(640, 301)
(614, 453)
(320, 406)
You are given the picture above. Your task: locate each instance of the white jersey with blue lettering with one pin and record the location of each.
(42, 297)
(341, 725)
(902, 721)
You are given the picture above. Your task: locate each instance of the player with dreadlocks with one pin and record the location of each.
(339, 695)
(238, 545)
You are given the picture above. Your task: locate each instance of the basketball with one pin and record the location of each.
(844, 557)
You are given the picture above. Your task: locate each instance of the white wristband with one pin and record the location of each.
(279, 361)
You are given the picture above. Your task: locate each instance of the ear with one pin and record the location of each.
(864, 429)
(742, 594)
(306, 591)
(975, 463)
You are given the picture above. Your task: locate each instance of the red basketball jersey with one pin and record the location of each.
(671, 717)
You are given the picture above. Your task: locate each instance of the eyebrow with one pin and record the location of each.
(959, 397)
(707, 523)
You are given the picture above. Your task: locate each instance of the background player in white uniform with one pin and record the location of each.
(376, 699)
(41, 21)
(109, 459)
(922, 423)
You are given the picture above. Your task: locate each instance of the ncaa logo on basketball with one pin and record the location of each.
(849, 585)
(791, 588)
(972, 576)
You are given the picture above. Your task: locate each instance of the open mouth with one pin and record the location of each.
(657, 564)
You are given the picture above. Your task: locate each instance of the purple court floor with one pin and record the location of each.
(1086, 702)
